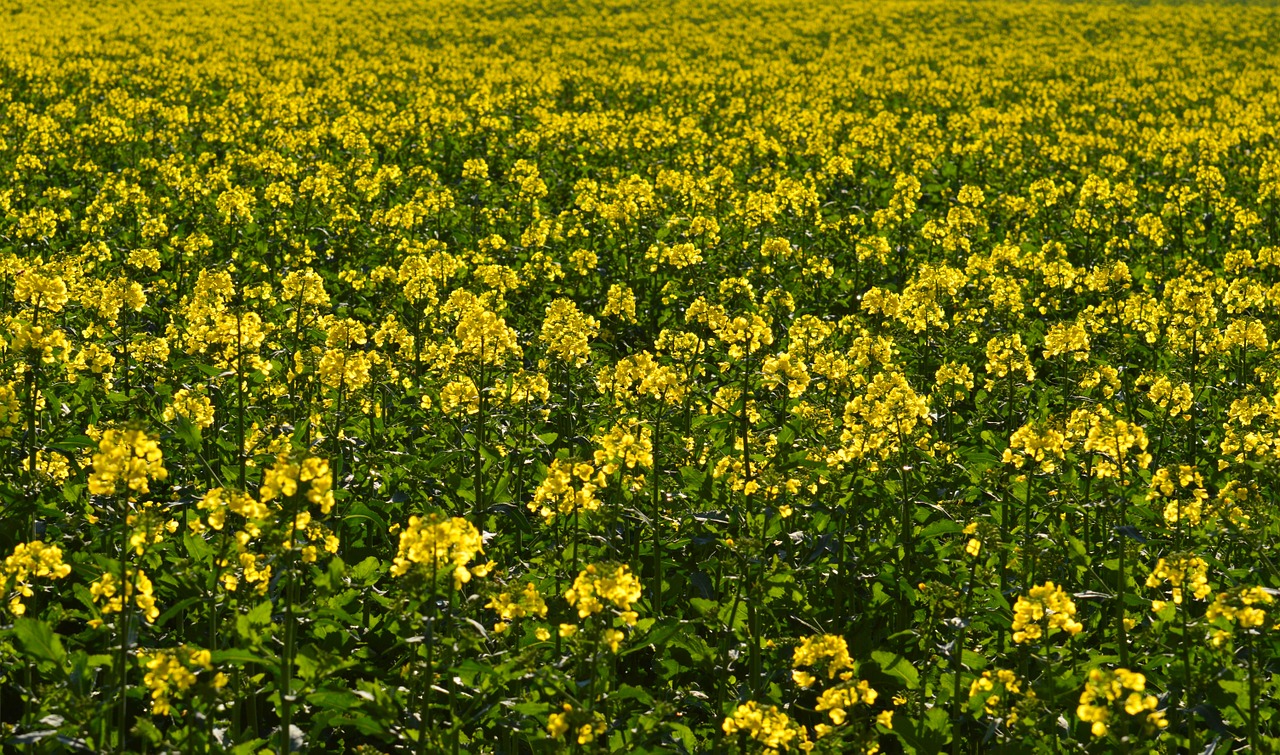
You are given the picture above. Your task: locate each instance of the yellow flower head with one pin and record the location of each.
(1044, 609)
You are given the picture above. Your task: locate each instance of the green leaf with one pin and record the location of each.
(177, 608)
(734, 619)
(197, 548)
(235, 657)
(333, 699)
(898, 667)
(628, 692)
(942, 527)
(534, 710)
(248, 624)
(703, 606)
(367, 570)
(39, 640)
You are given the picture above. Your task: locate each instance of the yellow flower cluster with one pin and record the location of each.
(108, 591)
(1119, 442)
(788, 369)
(1108, 693)
(435, 543)
(172, 673)
(824, 651)
(769, 726)
(585, 725)
(627, 444)
(1006, 355)
(219, 502)
(567, 332)
(1043, 445)
(1173, 398)
(836, 700)
(1182, 489)
(620, 301)
(1064, 338)
(1001, 691)
(641, 375)
(829, 655)
(884, 419)
(283, 479)
(1183, 572)
(527, 602)
(598, 584)
(954, 380)
(485, 338)
(1044, 609)
(31, 559)
(1241, 607)
(41, 289)
(126, 456)
(195, 407)
(568, 487)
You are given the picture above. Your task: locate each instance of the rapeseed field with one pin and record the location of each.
(743, 376)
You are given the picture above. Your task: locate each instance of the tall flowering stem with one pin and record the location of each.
(125, 464)
(430, 546)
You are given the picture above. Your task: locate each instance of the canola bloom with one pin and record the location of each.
(1043, 610)
(510, 606)
(114, 595)
(568, 487)
(436, 544)
(581, 726)
(31, 559)
(1240, 608)
(1185, 573)
(1002, 694)
(1112, 697)
(286, 478)
(170, 675)
(130, 457)
(772, 728)
(598, 585)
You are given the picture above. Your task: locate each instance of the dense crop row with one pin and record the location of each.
(648, 377)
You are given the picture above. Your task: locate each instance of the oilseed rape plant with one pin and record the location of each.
(438, 376)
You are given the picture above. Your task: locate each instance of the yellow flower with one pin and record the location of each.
(528, 602)
(1044, 609)
(32, 559)
(558, 723)
(1182, 572)
(1107, 693)
(194, 406)
(171, 673)
(768, 726)
(107, 590)
(1043, 445)
(128, 456)
(435, 544)
(567, 332)
(597, 585)
(567, 488)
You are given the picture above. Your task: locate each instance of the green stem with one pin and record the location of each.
(286, 660)
(424, 712)
(1122, 633)
(122, 657)
(957, 660)
(657, 519)
(1253, 695)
